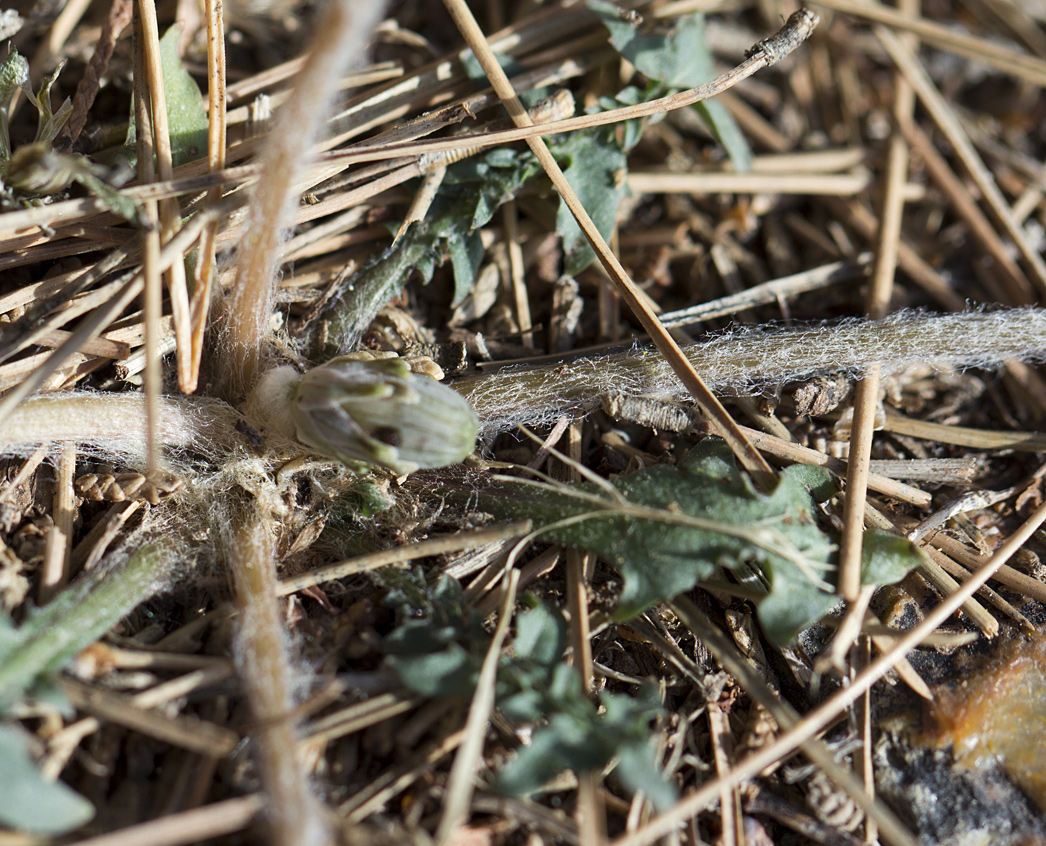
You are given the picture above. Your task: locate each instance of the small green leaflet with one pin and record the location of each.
(186, 114)
(677, 57)
(437, 649)
(29, 802)
(596, 167)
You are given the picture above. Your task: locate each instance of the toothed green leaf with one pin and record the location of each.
(676, 526)
(596, 167)
(677, 56)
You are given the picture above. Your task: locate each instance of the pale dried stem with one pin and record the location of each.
(217, 131)
(965, 436)
(169, 213)
(729, 797)
(145, 143)
(185, 731)
(339, 42)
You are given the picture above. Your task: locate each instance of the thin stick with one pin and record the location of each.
(824, 715)
(402, 554)
(216, 143)
(120, 13)
(55, 570)
(460, 785)
(772, 291)
(877, 305)
(799, 26)
(814, 184)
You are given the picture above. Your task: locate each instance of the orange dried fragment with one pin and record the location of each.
(999, 712)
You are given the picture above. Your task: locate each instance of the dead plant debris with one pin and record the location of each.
(635, 621)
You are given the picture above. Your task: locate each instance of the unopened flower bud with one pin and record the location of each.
(379, 412)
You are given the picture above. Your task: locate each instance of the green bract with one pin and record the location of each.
(380, 413)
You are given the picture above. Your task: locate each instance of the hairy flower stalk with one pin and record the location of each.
(747, 360)
(339, 43)
(355, 411)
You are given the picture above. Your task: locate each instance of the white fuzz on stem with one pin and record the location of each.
(294, 814)
(747, 360)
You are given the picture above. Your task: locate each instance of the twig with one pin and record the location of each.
(119, 17)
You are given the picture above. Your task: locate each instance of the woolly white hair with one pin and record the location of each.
(746, 360)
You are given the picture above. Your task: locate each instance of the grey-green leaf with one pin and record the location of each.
(186, 114)
(596, 168)
(678, 525)
(29, 802)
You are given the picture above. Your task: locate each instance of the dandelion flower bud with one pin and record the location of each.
(379, 412)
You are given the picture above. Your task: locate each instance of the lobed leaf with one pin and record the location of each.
(676, 526)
